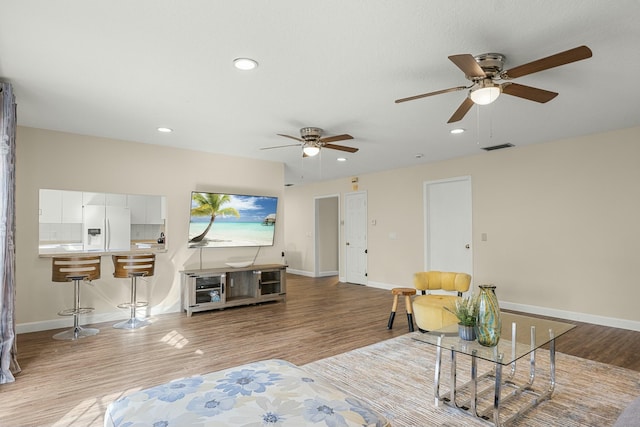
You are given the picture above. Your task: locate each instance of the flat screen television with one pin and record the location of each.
(221, 220)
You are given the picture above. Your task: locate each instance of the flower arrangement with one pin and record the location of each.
(465, 309)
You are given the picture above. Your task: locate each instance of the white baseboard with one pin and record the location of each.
(310, 273)
(327, 273)
(571, 315)
(544, 311)
(85, 319)
(381, 285)
(300, 272)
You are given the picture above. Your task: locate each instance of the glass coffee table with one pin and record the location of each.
(520, 336)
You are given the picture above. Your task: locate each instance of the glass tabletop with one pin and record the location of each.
(508, 349)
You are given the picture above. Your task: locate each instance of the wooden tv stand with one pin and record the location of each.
(217, 288)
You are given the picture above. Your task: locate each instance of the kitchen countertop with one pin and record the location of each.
(71, 249)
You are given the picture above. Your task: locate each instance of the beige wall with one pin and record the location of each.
(561, 218)
(47, 159)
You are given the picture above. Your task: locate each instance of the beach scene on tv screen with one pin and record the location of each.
(231, 220)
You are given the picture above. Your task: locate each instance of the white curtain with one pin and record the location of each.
(8, 353)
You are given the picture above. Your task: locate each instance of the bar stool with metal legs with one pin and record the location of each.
(75, 269)
(133, 266)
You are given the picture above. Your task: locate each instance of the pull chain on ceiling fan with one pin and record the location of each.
(489, 79)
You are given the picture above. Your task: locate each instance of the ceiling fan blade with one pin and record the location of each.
(292, 137)
(468, 64)
(341, 148)
(528, 92)
(424, 95)
(280, 146)
(562, 58)
(336, 138)
(461, 111)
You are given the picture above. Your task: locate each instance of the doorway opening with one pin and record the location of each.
(327, 236)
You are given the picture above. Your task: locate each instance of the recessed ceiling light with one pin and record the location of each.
(341, 159)
(245, 64)
(165, 130)
(456, 131)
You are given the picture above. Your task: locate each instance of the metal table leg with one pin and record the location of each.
(492, 413)
(496, 394)
(436, 383)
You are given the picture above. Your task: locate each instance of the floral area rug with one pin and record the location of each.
(396, 378)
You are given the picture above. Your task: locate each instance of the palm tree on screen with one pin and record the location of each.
(210, 205)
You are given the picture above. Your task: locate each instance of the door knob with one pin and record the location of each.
(347, 243)
(467, 246)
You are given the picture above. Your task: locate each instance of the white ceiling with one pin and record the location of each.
(121, 68)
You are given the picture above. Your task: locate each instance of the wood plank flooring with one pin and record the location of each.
(66, 383)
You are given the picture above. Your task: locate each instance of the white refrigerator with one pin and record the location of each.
(106, 228)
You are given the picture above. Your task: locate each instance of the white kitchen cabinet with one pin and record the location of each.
(155, 210)
(50, 206)
(60, 207)
(145, 209)
(138, 206)
(71, 207)
(90, 198)
(119, 200)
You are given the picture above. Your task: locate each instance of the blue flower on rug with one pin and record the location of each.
(211, 404)
(271, 418)
(319, 410)
(265, 411)
(175, 390)
(247, 381)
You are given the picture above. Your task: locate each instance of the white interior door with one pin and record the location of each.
(448, 225)
(355, 231)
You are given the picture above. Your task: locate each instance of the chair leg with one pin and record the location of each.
(392, 316)
(408, 306)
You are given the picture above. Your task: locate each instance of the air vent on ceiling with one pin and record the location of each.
(498, 147)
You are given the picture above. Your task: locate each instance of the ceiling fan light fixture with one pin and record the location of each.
(486, 93)
(311, 150)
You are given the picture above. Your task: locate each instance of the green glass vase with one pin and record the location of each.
(488, 322)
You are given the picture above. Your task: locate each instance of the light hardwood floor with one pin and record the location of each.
(66, 383)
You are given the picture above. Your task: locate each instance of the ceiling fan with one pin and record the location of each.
(311, 141)
(489, 79)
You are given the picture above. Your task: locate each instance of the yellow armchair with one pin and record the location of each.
(428, 309)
